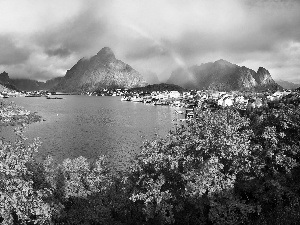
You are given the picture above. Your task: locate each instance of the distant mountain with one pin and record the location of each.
(100, 71)
(159, 87)
(21, 84)
(287, 85)
(223, 76)
(28, 85)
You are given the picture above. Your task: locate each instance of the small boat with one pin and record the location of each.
(178, 112)
(34, 95)
(54, 98)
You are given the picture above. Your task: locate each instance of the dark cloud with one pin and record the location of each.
(60, 52)
(10, 53)
(76, 35)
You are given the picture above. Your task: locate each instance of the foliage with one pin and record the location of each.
(11, 115)
(223, 167)
(19, 201)
(197, 166)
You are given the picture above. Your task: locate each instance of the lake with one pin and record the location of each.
(90, 126)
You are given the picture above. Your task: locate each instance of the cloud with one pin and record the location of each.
(10, 53)
(156, 35)
(60, 52)
(78, 34)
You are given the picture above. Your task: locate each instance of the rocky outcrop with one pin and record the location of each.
(223, 76)
(263, 77)
(100, 71)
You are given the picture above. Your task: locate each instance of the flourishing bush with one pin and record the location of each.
(190, 176)
(19, 201)
(222, 168)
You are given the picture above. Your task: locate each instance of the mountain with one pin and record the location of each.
(287, 85)
(223, 76)
(28, 85)
(21, 84)
(6, 82)
(100, 71)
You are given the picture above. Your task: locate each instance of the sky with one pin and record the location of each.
(41, 39)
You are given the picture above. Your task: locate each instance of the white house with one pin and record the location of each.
(174, 94)
(228, 101)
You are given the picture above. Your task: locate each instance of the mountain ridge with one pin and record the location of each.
(223, 75)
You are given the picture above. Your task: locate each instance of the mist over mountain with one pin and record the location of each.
(287, 84)
(223, 76)
(150, 77)
(100, 71)
(21, 84)
(105, 71)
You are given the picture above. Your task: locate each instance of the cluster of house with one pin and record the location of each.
(204, 99)
(12, 93)
(7, 94)
(185, 99)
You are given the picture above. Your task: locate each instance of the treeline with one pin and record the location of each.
(224, 167)
(158, 87)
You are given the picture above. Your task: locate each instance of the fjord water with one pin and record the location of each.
(92, 126)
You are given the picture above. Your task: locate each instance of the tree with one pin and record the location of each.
(19, 201)
(190, 176)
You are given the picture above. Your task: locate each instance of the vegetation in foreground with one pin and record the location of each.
(13, 115)
(223, 167)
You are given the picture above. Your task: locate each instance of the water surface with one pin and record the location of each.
(92, 126)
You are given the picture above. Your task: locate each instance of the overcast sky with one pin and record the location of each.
(41, 39)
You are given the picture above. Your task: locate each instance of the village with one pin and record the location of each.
(193, 99)
(205, 98)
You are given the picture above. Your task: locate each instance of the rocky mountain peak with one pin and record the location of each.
(223, 62)
(106, 53)
(4, 76)
(103, 70)
(263, 77)
(262, 70)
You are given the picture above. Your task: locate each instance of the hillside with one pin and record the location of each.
(223, 76)
(159, 87)
(6, 83)
(21, 84)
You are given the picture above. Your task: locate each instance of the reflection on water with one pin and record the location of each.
(92, 126)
